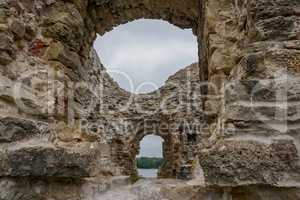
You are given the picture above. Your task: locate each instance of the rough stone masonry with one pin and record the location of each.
(230, 123)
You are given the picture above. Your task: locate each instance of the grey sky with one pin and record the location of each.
(151, 146)
(147, 51)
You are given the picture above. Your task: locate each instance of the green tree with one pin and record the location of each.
(149, 162)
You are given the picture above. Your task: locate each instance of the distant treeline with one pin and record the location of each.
(149, 163)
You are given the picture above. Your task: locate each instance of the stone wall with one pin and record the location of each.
(252, 54)
(63, 119)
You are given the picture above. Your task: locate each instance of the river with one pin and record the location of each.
(148, 173)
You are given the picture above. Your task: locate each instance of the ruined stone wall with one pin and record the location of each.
(61, 112)
(253, 55)
(66, 125)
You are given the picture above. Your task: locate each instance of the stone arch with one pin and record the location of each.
(170, 152)
(104, 15)
(74, 27)
(111, 13)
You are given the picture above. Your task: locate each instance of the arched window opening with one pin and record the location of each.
(141, 55)
(150, 158)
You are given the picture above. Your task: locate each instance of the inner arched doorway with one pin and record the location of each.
(150, 158)
(170, 152)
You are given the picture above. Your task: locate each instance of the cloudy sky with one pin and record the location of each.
(147, 51)
(151, 146)
(141, 55)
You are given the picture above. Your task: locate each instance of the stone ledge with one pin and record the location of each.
(46, 161)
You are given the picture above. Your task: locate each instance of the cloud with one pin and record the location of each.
(147, 50)
(151, 146)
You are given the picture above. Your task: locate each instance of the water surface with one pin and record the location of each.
(148, 173)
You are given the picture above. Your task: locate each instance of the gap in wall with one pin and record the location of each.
(150, 157)
(141, 55)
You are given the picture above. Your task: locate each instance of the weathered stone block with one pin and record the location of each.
(65, 25)
(18, 28)
(263, 91)
(274, 19)
(5, 58)
(58, 52)
(247, 162)
(42, 161)
(14, 129)
(3, 15)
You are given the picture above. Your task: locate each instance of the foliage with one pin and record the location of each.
(149, 162)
